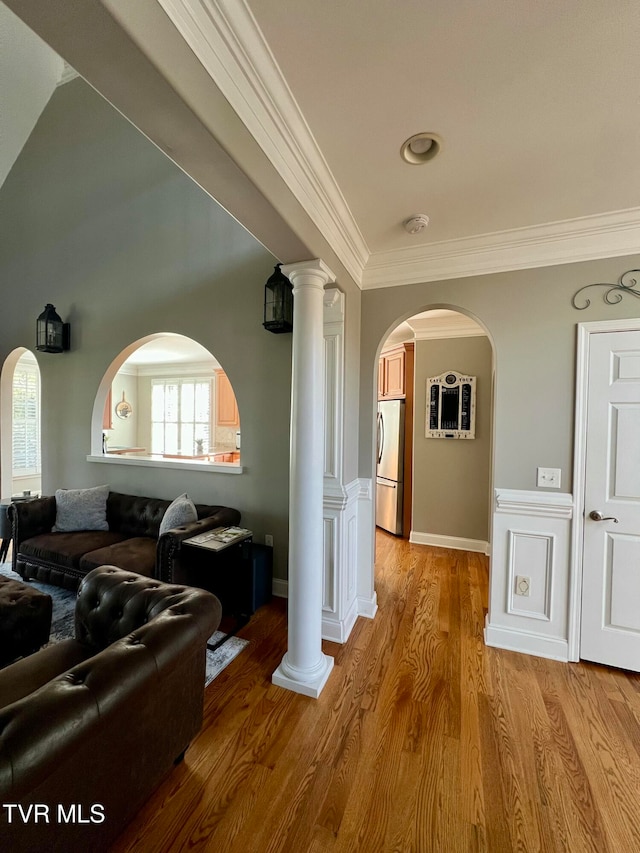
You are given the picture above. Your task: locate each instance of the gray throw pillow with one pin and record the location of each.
(180, 511)
(81, 509)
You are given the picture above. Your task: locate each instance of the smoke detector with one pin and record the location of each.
(416, 224)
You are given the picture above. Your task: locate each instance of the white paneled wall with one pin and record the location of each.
(531, 549)
(340, 603)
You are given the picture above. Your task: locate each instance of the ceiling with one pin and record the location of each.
(170, 349)
(537, 105)
(29, 73)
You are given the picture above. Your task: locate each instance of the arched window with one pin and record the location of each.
(21, 437)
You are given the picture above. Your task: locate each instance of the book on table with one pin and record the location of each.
(219, 538)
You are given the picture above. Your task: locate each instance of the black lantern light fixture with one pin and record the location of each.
(52, 335)
(278, 303)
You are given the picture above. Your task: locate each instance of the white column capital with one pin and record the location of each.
(314, 273)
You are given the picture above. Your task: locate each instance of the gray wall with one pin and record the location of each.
(94, 219)
(451, 479)
(528, 315)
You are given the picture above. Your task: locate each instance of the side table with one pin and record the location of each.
(221, 562)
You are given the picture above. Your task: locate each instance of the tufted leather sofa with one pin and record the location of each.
(89, 726)
(132, 541)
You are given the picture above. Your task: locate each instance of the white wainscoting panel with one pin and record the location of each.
(340, 606)
(530, 555)
(531, 538)
(367, 599)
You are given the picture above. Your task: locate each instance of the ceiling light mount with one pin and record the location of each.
(416, 224)
(420, 148)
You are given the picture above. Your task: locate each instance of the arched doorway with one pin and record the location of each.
(453, 480)
(20, 450)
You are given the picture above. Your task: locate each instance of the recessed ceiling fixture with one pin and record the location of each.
(420, 148)
(416, 224)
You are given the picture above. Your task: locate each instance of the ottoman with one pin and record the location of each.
(25, 619)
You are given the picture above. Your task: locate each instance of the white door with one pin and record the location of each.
(610, 630)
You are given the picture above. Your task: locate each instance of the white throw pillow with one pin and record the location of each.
(81, 509)
(180, 511)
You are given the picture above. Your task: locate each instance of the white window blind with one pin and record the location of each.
(181, 416)
(26, 420)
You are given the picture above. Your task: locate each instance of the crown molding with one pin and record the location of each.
(587, 238)
(226, 39)
(426, 330)
(68, 74)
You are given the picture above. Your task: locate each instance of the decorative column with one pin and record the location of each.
(304, 667)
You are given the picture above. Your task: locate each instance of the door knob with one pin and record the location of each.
(596, 515)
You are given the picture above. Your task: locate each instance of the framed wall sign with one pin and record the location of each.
(451, 406)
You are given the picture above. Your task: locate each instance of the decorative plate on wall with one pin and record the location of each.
(124, 409)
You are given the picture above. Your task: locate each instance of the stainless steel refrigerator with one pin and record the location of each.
(389, 479)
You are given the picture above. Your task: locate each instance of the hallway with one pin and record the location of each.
(423, 740)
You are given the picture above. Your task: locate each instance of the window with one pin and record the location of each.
(180, 416)
(26, 419)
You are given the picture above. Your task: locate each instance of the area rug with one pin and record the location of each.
(62, 625)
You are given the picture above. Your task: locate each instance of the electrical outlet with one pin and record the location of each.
(549, 478)
(268, 540)
(523, 585)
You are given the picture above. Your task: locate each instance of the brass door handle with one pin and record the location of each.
(596, 515)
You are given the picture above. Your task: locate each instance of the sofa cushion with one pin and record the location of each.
(180, 511)
(135, 555)
(66, 549)
(81, 509)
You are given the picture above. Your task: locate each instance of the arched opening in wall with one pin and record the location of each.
(164, 400)
(21, 464)
(434, 420)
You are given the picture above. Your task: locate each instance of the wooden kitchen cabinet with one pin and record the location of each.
(395, 382)
(230, 456)
(393, 368)
(226, 405)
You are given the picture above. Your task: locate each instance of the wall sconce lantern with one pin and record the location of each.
(52, 335)
(278, 303)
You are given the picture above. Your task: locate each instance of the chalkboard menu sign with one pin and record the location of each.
(451, 406)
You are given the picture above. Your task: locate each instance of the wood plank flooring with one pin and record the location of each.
(423, 739)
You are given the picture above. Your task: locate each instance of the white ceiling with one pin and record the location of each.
(437, 323)
(29, 73)
(537, 104)
(171, 349)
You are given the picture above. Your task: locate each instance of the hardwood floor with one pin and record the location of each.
(423, 740)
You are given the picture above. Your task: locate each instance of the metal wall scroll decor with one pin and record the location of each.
(614, 292)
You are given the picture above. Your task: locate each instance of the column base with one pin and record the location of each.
(285, 677)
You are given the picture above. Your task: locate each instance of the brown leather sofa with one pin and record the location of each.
(132, 541)
(89, 726)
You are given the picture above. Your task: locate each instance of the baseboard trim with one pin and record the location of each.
(456, 542)
(280, 588)
(527, 643)
(368, 607)
(338, 630)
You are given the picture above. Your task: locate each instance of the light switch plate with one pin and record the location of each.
(548, 478)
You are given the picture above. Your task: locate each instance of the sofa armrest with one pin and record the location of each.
(108, 729)
(168, 552)
(31, 518)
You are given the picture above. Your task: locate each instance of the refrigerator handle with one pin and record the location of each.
(380, 436)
